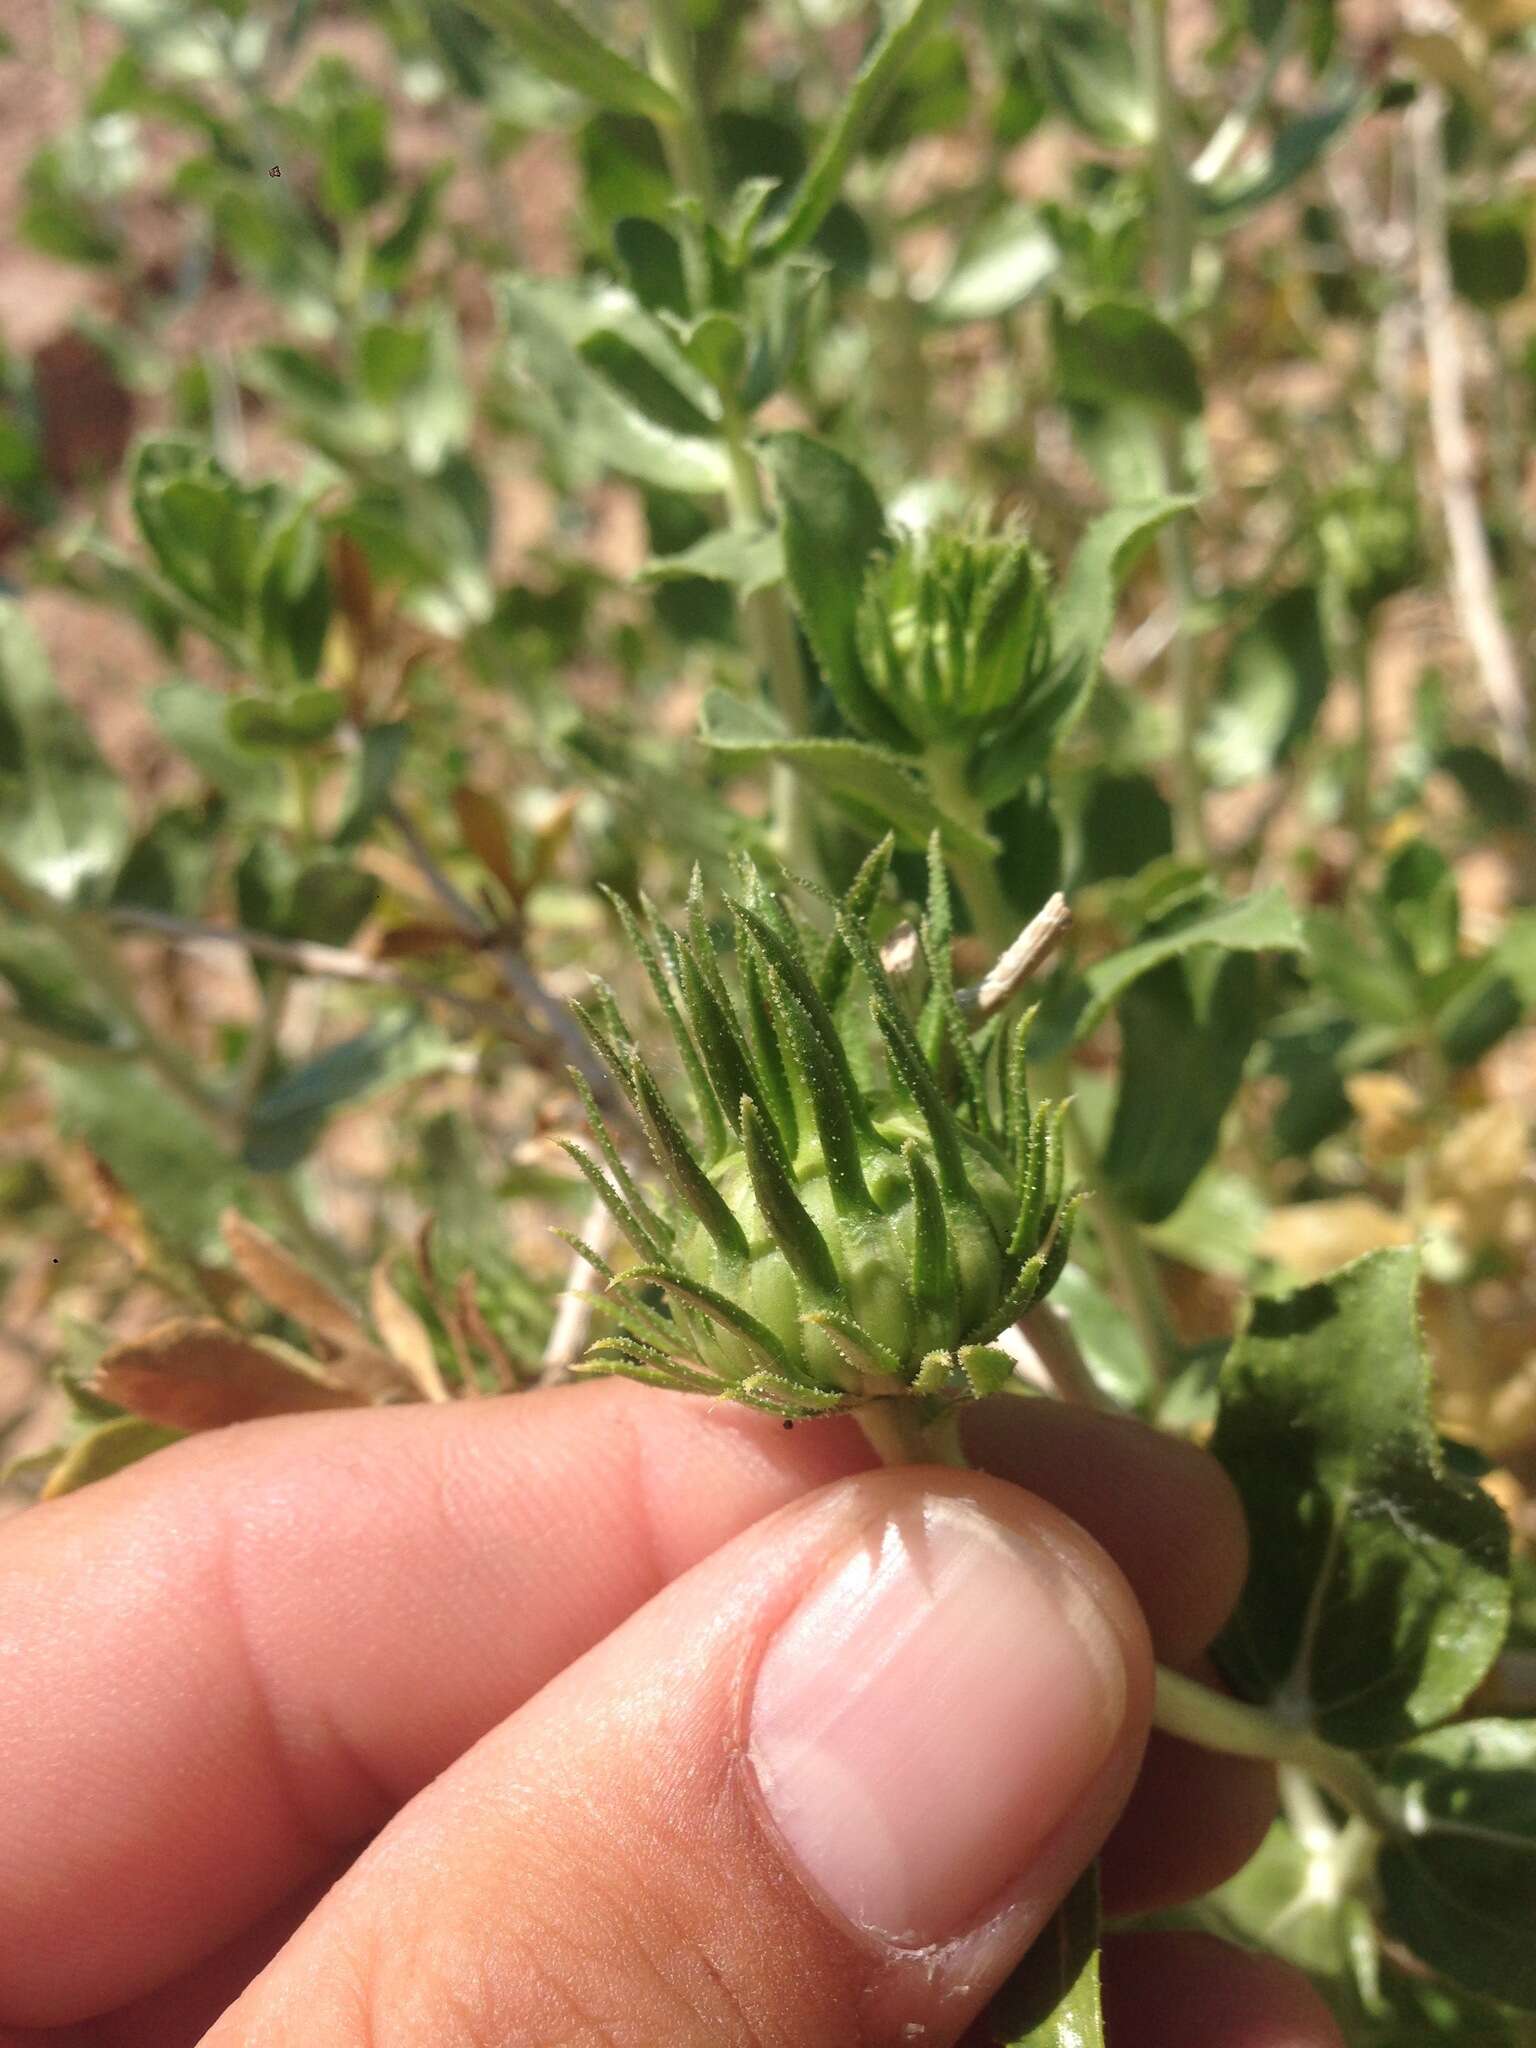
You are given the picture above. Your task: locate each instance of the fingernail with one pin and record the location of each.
(929, 1714)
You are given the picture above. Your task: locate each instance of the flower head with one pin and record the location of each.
(954, 630)
(842, 1223)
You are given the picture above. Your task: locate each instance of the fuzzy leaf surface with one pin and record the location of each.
(1377, 1593)
(1459, 1883)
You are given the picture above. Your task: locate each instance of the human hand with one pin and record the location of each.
(661, 1726)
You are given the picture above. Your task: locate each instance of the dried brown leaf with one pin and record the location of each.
(483, 823)
(193, 1375)
(272, 1271)
(404, 1333)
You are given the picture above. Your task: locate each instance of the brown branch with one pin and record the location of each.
(306, 956)
(553, 1019)
(573, 1319)
(1474, 585)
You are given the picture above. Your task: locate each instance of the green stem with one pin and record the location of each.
(1175, 216)
(775, 648)
(991, 913)
(1192, 1712)
(1182, 1707)
(685, 142)
(1132, 1270)
(769, 627)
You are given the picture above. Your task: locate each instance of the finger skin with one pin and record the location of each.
(601, 1872)
(1193, 1991)
(275, 1635)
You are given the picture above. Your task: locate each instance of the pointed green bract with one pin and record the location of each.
(853, 1226)
(689, 1181)
(932, 1274)
(787, 1219)
(704, 1096)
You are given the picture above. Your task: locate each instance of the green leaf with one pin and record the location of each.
(1419, 910)
(1490, 253)
(291, 600)
(156, 1147)
(1186, 1030)
(1296, 147)
(194, 719)
(748, 561)
(1006, 261)
(170, 864)
(1377, 1593)
(324, 899)
(380, 751)
(305, 719)
(1271, 689)
(1088, 66)
(1118, 352)
(651, 260)
(1051, 2000)
(63, 819)
(288, 1118)
(102, 1451)
(604, 425)
(1376, 990)
(47, 989)
(834, 529)
(1458, 1880)
(556, 42)
(1106, 1337)
(878, 788)
(1085, 610)
(354, 154)
(870, 94)
(1251, 924)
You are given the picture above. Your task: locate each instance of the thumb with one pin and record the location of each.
(825, 1787)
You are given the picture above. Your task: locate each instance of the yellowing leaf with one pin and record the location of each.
(405, 1333)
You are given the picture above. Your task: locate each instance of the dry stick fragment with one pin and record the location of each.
(1474, 585)
(547, 1011)
(1022, 960)
(1044, 1339)
(326, 963)
(477, 1328)
(573, 1319)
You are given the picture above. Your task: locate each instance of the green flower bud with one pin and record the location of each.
(857, 1211)
(954, 631)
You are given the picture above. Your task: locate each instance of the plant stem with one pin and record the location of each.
(775, 647)
(1131, 1267)
(1176, 244)
(1194, 1713)
(769, 627)
(900, 1436)
(1182, 1707)
(1474, 580)
(994, 919)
